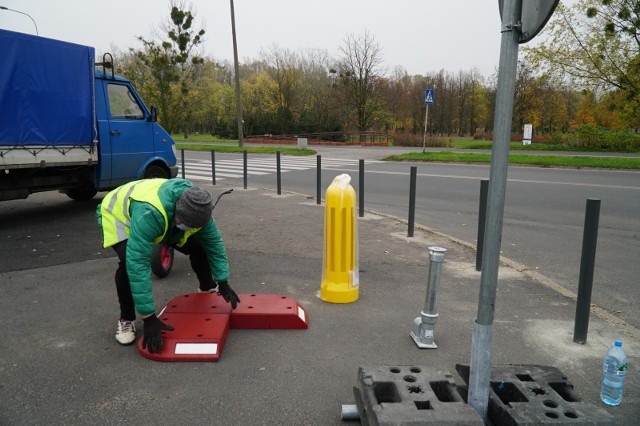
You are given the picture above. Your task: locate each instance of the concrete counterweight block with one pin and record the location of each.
(411, 395)
(536, 395)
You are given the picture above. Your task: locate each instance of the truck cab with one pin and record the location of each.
(132, 145)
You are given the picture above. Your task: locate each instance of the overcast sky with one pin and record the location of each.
(422, 36)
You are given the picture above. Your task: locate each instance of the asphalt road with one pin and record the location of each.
(543, 220)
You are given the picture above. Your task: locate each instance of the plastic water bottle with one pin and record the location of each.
(615, 368)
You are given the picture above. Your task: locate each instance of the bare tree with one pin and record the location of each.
(284, 68)
(360, 70)
(320, 108)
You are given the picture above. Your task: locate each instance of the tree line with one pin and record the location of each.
(586, 73)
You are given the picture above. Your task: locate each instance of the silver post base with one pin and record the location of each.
(422, 332)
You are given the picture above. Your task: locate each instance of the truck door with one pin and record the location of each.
(131, 135)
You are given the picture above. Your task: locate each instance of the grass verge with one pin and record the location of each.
(193, 138)
(249, 149)
(533, 160)
(517, 146)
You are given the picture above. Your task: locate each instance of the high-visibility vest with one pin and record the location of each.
(116, 221)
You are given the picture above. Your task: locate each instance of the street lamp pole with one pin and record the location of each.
(237, 76)
(22, 13)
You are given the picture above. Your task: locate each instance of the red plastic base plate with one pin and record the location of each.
(259, 311)
(202, 322)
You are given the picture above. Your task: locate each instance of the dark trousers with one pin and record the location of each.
(199, 264)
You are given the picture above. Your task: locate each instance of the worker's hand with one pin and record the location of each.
(152, 339)
(229, 295)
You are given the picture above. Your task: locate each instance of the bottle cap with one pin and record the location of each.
(618, 343)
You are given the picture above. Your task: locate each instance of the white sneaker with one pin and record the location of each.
(126, 333)
(211, 290)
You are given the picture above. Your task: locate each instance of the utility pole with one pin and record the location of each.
(237, 75)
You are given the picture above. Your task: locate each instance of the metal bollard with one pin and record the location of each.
(412, 201)
(182, 156)
(482, 215)
(278, 174)
(423, 326)
(587, 264)
(361, 188)
(318, 179)
(213, 167)
(244, 168)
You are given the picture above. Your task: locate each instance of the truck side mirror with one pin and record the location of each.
(154, 114)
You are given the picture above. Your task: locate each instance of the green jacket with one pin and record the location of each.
(148, 224)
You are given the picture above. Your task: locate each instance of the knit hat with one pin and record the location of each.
(194, 207)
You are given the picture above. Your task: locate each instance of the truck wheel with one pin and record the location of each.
(85, 192)
(154, 171)
(162, 260)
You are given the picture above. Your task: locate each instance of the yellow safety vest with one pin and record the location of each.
(116, 222)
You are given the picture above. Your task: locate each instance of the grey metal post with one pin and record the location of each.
(318, 179)
(480, 371)
(482, 217)
(423, 326)
(278, 177)
(587, 262)
(424, 139)
(182, 156)
(361, 187)
(244, 167)
(213, 167)
(412, 200)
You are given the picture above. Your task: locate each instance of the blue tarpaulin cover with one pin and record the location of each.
(45, 91)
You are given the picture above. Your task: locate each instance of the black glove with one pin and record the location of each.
(153, 333)
(229, 295)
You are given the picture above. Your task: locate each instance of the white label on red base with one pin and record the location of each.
(196, 348)
(301, 314)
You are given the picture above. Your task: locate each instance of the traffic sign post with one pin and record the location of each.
(429, 95)
(535, 15)
(480, 370)
(514, 20)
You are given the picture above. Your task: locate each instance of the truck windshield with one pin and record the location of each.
(123, 104)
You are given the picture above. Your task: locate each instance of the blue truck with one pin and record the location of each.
(69, 123)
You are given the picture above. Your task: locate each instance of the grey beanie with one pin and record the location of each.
(194, 207)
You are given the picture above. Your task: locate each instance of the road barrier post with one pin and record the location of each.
(213, 167)
(482, 216)
(244, 167)
(278, 176)
(318, 179)
(412, 200)
(587, 262)
(182, 156)
(361, 187)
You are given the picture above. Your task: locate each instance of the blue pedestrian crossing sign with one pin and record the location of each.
(429, 94)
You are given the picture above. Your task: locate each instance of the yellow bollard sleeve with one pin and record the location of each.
(340, 279)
